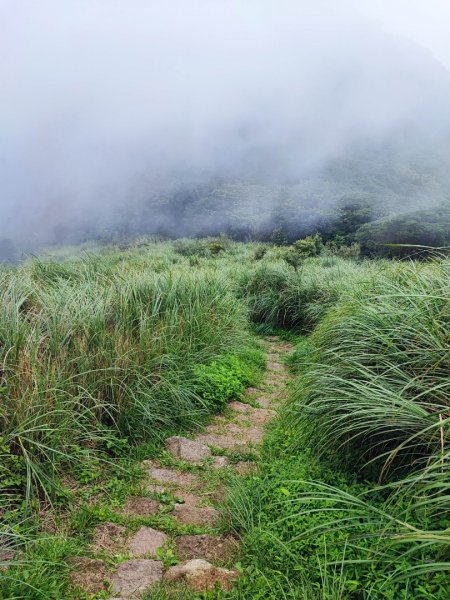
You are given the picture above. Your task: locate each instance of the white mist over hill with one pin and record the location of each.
(107, 103)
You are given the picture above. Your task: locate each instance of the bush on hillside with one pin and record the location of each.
(429, 228)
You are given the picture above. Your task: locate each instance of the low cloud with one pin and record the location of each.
(107, 102)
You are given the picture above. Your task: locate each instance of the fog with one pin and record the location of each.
(105, 103)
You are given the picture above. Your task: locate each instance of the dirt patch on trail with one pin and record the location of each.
(245, 467)
(108, 537)
(140, 506)
(201, 576)
(88, 574)
(213, 548)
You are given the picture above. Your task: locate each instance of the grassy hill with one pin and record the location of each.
(105, 352)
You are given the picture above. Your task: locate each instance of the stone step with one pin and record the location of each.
(195, 515)
(171, 476)
(134, 576)
(146, 542)
(188, 450)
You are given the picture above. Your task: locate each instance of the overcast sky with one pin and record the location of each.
(96, 94)
(425, 21)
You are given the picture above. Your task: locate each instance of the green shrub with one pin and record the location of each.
(299, 359)
(396, 236)
(217, 384)
(282, 297)
(216, 247)
(226, 378)
(279, 237)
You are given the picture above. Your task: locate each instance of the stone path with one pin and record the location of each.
(178, 518)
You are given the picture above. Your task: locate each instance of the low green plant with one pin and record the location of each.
(225, 379)
(41, 570)
(216, 384)
(310, 529)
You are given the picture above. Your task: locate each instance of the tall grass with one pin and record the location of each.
(374, 397)
(279, 296)
(378, 381)
(95, 350)
(100, 349)
(357, 476)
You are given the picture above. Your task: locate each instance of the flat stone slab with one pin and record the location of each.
(188, 450)
(201, 575)
(109, 537)
(146, 542)
(141, 506)
(188, 497)
(133, 577)
(193, 515)
(88, 574)
(212, 548)
(171, 476)
(224, 441)
(234, 435)
(265, 401)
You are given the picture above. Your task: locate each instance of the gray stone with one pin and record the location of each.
(193, 515)
(134, 576)
(188, 450)
(146, 542)
(171, 476)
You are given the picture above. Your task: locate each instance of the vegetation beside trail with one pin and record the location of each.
(352, 497)
(107, 351)
(103, 357)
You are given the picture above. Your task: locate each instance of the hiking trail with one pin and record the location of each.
(180, 535)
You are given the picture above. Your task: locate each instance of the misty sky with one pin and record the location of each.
(427, 22)
(99, 96)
